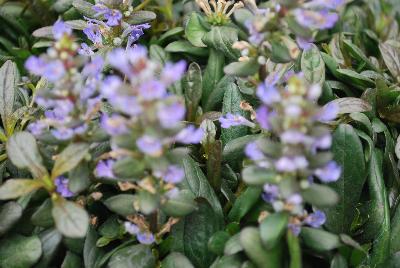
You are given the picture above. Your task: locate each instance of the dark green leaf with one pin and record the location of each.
(71, 260)
(212, 73)
(320, 196)
(9, 77)
(181, 205)
(244, 203)
(348, 153)
(222, 38)
(51, 240)
(19, 251)
(121, 204)
(69, 158)
(176, 260)
(195, 30)
(313, 66)
(136, 256)
(10, 213)
(217, 242)
(42, 216)
(318, 239)
(242, 68)
(182, 46)
(141, 16)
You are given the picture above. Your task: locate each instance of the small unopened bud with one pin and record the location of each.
(117, 41)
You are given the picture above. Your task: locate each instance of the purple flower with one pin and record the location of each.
(268, 94)
(328, 113)
(149, 145)
(54, 70)
(60, 29)
(110, 86)
(173, 72)
(92, 31)
(295, 137)
(323, 142)
(104, 168)
(170, 115)
(314, 92)
(145, 238)
(152, 90)
(295, 228)
(173, 174)
(262, 117)
(294, 199)
(331, 4)
(61, 184)
(304, 43)
(114, 124)
(271, 193)
(131, 228)
(100, 10)
(113, 17)
(321, 19)
(131, 61)
(81, 129)
(316, 219)
(127, 104)
(230, 120)
(36, 128)
(293, 110)
(94, 67)
(135, 32)
(85, 50)
(63, 133)
(330, 173)
(253, 152)
(35, 65)
(255, 37)
(190, 135)
(291, 163)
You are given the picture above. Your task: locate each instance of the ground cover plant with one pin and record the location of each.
(205, 133)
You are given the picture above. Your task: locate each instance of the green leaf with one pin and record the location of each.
(242, 68)
(391, 57)
(222, 38)
(182, 46)
(121, 204)
(231, 104)
(157, 53)
(84, 7)
(379, 213)
(91, 253)
(69, 158)
(349, 154)
(244, 203)
(141, 16)
(70, 219)
(197, 183)
(349, 105)
(280, 52)
(14, 188)
(217, 94)
(232, 261)
(128, 168)
(42, 216)
(79, 178)
(294, 250)
(176, 260)
(71, 260)
(319, 240)
(320, 196)
(10, 213)
(358, 54)
(195, 30)
(353, 78)
(24, 153)
(212, 74)
(174, 32)
(193, 232)
(262, 258)
(272, 229)
(233, 151)
(313, 66)
(51, 241)
(9, 77)
(20, 251)
(192, 85)
(180, 205)
(233, 246)
(217, 242)
(339, 262)
(253, 175)
(136, 256)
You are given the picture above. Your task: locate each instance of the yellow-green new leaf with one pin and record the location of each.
(69, 158)
(15, 188)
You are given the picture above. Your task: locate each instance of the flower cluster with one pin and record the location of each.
(218, 12)
(110, 27)
(296, 154)
(71, 102)
(301, 18)
(144, 112)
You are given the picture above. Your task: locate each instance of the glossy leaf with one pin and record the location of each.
(313, 66)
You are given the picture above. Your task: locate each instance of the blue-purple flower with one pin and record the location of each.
(316, 219)
(231, 120)
(329, 173)
(190, 135)
(61, 184)
(104, 168)
(150, 145)
(60, 29)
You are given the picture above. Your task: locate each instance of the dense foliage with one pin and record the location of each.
(206, 133)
